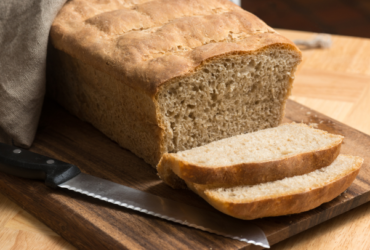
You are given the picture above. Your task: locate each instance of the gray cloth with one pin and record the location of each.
(24, 32)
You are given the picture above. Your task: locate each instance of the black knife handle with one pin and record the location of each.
(23, 163)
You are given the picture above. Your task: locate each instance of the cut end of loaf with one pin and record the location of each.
(288, 196)
(227, 96)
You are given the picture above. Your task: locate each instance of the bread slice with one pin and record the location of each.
(288, 196)
(248, 159)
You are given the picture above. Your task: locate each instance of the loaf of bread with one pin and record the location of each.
(288, 196)
(169, 75)
(263, 156)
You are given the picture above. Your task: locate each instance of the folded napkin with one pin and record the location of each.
(24, 31)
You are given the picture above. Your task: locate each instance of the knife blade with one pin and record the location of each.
(58, 174)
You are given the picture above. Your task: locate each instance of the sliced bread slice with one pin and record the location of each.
(248, 159)
(288, 196)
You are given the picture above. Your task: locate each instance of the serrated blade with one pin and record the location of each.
(213, 222)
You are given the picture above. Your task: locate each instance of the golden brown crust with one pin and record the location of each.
(246, 173)
(152, 42)
(165, 172)
(283, 205)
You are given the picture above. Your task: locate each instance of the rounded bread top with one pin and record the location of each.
(146, 43)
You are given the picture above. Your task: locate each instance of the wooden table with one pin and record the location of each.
(335, 82)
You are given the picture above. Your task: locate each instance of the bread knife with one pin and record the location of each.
(58, 174)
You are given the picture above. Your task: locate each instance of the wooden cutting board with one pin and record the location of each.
(88, 223)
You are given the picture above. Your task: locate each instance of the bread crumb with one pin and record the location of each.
(321, 122)
(308, 113)
(313, 125)
(285, 152)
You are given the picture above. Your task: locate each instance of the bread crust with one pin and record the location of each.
(148, 44)
(282, 205)
(245, 173)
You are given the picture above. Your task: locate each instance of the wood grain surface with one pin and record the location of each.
(333, 81)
